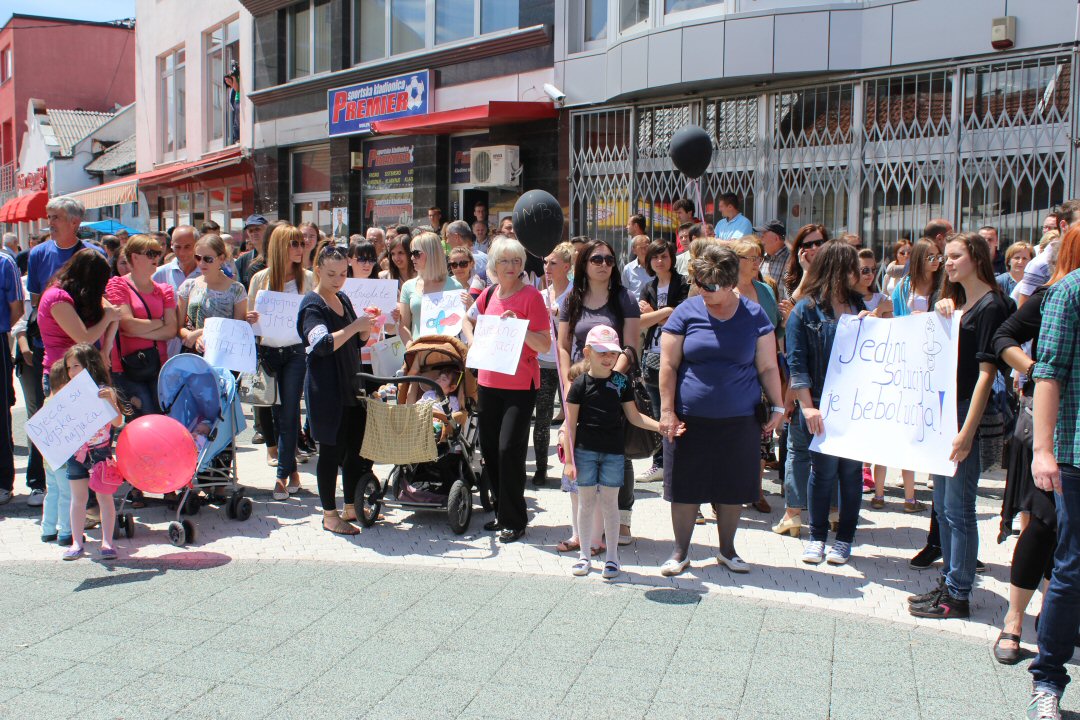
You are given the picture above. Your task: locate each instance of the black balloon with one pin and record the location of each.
(538, 221)
(691, 151)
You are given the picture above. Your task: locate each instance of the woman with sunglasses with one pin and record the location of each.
(897, 268)
(212, 294)
(918, 291)
(463, 268)
(363, 261)
(284, 273)
(147, 321)
(597, 297)
(429, 259)
(808, 240)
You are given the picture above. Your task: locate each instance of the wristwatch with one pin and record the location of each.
(778, 409)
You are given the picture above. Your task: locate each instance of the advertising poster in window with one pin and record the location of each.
(352, 109)
(390, 209)
(388, 164)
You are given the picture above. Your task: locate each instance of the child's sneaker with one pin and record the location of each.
(611, 570)
(581, 567)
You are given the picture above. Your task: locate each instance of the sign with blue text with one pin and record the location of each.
(352, 109)
(890, 392)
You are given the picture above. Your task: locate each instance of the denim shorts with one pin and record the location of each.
(81, 470)
(598, 468)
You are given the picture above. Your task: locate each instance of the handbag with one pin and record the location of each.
(650, 368)
(141, 366)
(388, 356)
(1024, 429)
(259, 388)
(638, 443)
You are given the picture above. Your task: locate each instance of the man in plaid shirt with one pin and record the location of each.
(1056, 466)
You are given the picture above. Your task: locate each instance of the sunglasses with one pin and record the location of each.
(599, 260)
(866, 271)
(460, 264)
(755, 259)
(296, 244)
(935, 258)
(415, 254)
(707, 287)
(151, 254)
(208, 259)
(365, 258)
(812, 244)
(332, 252)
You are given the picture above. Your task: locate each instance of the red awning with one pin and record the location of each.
(25, 208)
(476, 117)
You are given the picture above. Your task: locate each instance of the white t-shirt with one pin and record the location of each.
(661, 301)
(874, 301)
(548, 359)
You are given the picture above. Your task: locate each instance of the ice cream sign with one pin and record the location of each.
(354, 108)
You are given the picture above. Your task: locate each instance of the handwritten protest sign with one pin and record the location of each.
(497, 344)
(229, 344)
(441, 313)
(277, 316)
(890, 392)
(363, 293)
(69, 418)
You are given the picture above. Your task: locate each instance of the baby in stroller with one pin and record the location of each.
(448, 378)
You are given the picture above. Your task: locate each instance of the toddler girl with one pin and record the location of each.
(97, 449)
(55, 513)
(596, 406)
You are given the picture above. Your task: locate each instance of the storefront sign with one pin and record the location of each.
(353, 108)
(460, 153)
(388, 164)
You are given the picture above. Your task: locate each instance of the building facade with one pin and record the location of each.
(370, 110)
(867, 117)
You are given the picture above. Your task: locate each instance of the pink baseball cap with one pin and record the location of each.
(603, 339)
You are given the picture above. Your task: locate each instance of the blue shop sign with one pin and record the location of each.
(354, 108)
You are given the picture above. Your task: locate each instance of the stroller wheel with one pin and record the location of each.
(129, 525)
(177, 533)
(243, 509)
(230, 508)
(368, 501)
(192, 504)
(459, 506)
(189, 530)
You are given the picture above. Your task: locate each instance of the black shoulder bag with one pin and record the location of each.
(141, 366)
(638, 443)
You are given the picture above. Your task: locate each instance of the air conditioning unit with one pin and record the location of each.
(495, 165)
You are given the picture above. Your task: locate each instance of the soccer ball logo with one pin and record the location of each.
(415, 89)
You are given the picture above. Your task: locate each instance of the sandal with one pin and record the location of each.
(568, 546)
(338, 526)
(601, 548)
(280, 491)
(611, 570)
(348, 513)
(581, 567)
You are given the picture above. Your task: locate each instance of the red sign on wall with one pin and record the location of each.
(36, 180)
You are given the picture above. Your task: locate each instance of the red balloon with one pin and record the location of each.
(156, 454)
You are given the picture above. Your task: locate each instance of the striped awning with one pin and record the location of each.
(117, 192)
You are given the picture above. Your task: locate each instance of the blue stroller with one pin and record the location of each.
(191, 391)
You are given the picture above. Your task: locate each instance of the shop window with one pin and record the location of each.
(6, 65)
(308, 26)
(395, 27)
(172, 100)
(222, 98)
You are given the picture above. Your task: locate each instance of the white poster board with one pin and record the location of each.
(277, 316)
(229, 344)
(441, 313)
(890, 392)
(497, 344)
(68, 419)
(363, 293)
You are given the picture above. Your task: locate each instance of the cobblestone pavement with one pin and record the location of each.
(274, 618)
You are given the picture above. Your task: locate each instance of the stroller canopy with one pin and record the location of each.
(190, 389)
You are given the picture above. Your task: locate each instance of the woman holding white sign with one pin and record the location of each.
(828, 292)
(970, 287)
(717, 353)
(507, 401)
(283, 357)
(429, 259)
(213, 294)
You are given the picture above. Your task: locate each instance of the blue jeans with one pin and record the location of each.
(954, 506)
(598, 468)
(654, 398)
(56, 512)
(146, 392)
(826, 473)
(797, 464)
(1060, 617)
(290, 380)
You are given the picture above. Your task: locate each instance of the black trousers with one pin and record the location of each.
(34, 398)
(505, 416)
(345, 453)
(7, 399)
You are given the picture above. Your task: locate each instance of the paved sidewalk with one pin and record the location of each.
(421, 547)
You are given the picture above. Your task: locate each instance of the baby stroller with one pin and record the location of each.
(446, 482)
(190, 390)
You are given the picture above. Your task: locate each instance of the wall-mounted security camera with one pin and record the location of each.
(1003, 32)
(557, 95)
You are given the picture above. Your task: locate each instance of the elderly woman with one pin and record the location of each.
(597, 297)
(147, 321)
(717, 352)
(429, 259)
(507, 401)
(1017, 257)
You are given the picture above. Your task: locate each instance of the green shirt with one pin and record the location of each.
(1058, 360)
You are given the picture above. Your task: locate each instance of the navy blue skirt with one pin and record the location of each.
(714, 461)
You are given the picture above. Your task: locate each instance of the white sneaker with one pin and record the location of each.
(1044, 706)
(735, 563)
(5, 496)
(36, 499)
(653, 474)
(839, 553)
(814, 554)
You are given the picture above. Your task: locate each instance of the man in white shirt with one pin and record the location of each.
(732, 224)
(634, 275)
(182, 267)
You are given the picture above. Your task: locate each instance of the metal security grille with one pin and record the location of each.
(880, 156)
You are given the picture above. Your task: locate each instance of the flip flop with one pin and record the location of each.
(568, 546)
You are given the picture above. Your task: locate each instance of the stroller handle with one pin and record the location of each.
(426, 382)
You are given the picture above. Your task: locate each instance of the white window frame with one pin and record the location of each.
(716, 10)
(639, 26)
(312, 50)
(7, 62)
(429, 32)
(217, 143)
(179, 118)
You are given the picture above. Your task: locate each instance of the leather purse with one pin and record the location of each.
(638, 443)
